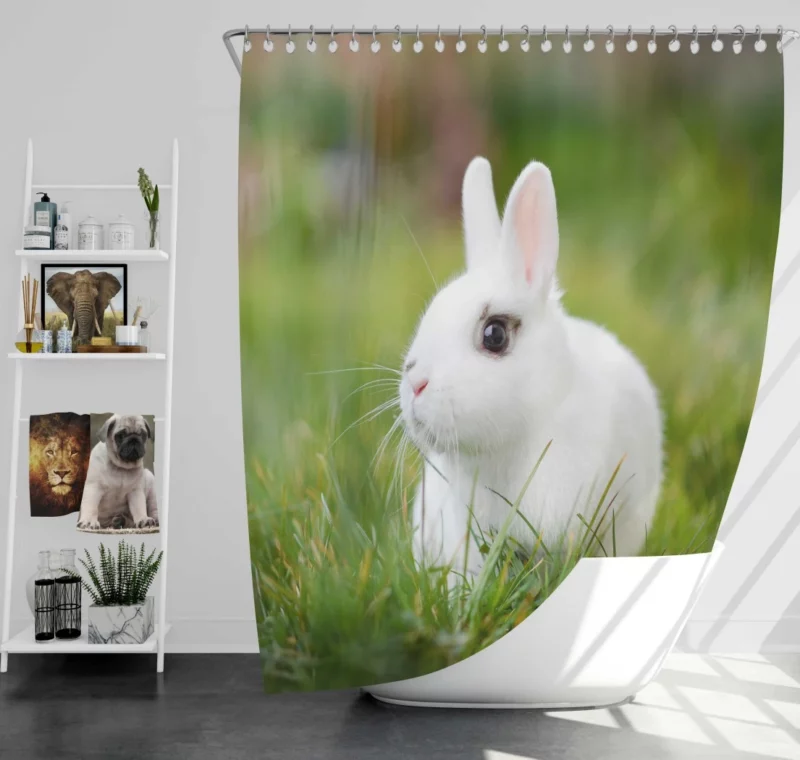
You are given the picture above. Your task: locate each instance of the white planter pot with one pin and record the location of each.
(132, 624)
(601, 637)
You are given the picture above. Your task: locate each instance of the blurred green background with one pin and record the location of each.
(667, 170)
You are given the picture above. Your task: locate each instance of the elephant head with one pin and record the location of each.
(84, 298)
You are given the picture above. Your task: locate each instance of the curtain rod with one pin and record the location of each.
(785, 36)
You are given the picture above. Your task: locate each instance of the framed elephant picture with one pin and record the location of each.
(90, 299)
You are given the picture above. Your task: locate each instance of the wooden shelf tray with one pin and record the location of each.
(112, 350)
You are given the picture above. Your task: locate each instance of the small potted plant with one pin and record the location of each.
(151, 200)
(121, 612)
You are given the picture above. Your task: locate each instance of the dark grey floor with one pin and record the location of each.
(212, 706)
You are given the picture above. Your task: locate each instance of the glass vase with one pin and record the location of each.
(68, 597)
(153, 230)
(144, 334)
(29, 340)
(44, 601)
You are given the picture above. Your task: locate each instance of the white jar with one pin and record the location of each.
(120, 234)
(37, 237)
(90, 235)
(127, 335)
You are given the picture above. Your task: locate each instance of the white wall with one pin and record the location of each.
(120, 81)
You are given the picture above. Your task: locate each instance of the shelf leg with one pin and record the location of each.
(12, 511)
(166, 437)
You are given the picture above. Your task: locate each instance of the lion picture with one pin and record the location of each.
(60, 445)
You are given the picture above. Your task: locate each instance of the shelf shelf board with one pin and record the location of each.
(24, 643)
(101, 257)
(148, 357)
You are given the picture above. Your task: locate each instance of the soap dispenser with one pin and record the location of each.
(45, 213)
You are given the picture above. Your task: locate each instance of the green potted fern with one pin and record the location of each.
(121, 612)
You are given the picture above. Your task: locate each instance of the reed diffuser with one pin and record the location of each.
(29, 339)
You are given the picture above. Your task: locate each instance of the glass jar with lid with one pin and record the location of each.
(90, 235)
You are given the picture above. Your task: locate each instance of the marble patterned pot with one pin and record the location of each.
(132, 624)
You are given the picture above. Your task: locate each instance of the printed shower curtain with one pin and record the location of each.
(499, 311)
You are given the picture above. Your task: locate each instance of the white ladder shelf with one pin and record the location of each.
(23, 641)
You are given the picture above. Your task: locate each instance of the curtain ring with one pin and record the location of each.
(694, 45)
(631, 45)
(502, 46)
(289, 40)
(483, 43)
(353, 44)
(610, 41)
(547, 46)
(418, 42)
(333, 45)
(247, 43)
(652, 45)
(716, 44)
(375, 45)
(526, 43)
(311, 45)
(461, 46)
(268, 46)
(588, 45)
(779, 42)
(397, 42)
(439, 44)
(760, 45)
(739, 44)
(566, 45)
(674, 43)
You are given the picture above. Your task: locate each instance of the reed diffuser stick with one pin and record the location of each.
(136, 315)
(29, 295)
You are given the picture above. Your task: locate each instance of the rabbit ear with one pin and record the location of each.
(481, 220)
(530, 228)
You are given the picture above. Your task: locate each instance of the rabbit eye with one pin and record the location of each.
(495, 336)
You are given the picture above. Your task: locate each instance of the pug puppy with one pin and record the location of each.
(120, 492)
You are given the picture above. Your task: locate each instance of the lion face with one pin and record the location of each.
(61, 459)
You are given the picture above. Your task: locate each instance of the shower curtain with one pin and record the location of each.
(500, 310)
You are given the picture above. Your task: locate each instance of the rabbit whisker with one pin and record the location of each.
(385, 382)
(374, 368)
(368, 417)
(386, 439)
(396, 482)
(399, 465)
(419, 248)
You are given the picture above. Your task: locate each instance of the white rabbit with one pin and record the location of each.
(497, 369)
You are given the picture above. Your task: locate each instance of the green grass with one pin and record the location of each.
(385, 615)
(54, 321)
(665, 239)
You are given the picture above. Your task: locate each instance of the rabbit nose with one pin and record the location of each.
(419, 386)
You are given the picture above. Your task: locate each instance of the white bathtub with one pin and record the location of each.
(599, 638)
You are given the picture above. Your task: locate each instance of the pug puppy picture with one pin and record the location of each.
(120, 491)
